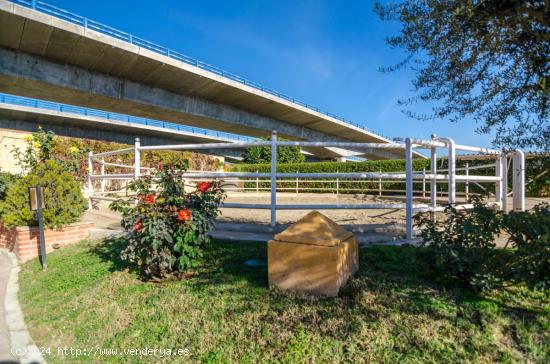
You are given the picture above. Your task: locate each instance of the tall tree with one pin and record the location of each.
(488, 59)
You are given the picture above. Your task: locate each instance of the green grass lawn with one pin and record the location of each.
(224, 312)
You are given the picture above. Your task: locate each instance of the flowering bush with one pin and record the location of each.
(167, 226)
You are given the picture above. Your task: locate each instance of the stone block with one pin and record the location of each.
(315, 255)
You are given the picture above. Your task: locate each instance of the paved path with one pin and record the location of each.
(5, 268)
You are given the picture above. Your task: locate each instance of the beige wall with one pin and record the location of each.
(9, 139)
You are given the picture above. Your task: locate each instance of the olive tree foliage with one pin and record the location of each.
(486, 59)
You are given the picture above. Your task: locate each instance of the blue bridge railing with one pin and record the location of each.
(105, 29)
(48, 105)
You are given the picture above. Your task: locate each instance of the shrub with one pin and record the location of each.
(38, 149)
(167, 227)
(6, 180)
(64, 202)
(530, 234)
(461, 246)
(287, 154)
(333, 167)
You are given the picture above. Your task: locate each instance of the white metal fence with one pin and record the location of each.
(433, 177)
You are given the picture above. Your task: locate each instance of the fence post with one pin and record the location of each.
(337, 183)
(257, 182)
(296, 184)
(423, 182)
(498, 185)
(137, 159)
(518, 181)
(137, 163)
(467, 186)
(408, 187)
(90, 174)
(452, 169)
(504, 171)
(102, 172)
(380, 184)
(273, 178)
(433, 180)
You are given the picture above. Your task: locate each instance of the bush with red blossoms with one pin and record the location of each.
(167, 226)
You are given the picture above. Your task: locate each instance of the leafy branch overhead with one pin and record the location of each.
(487, 59)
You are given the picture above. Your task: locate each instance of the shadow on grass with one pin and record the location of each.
(388, 283)
(223, 261)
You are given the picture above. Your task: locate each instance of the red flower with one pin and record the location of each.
(161, 167)
(137, 226)
(204, 186)
(184, 214)
(150, 198)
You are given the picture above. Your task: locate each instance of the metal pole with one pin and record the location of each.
(423, 182)
(137, 163)
(409, 187)
(467, 186)
(137, 159)
(518, 180)
(504, 171)
(452, 169)
(452, 172)
(273, 178)
(257, 182)
(40, 218)
(498, 185)
(433, 183)
(102, 172)
(380, 184)
(90, 174)
(296, 184)
(337, 184)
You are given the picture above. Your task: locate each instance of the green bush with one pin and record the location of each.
(530, 233)
(64, 202)
(255, 155)
(6, 180)
(333, 167)
(534, 167)
(167, 227)
(461, 246)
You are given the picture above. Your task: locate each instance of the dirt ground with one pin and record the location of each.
(348, 217)
(351, 216)
(104, 218)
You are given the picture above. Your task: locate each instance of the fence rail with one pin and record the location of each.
(433, 177)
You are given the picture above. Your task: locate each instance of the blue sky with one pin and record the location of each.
(325, 53)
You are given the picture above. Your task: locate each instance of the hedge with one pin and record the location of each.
(334, 167)
(534, 167)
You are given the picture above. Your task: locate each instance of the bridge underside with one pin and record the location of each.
(29, 119)
(32, 76)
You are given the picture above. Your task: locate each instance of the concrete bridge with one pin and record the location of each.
(27, 115)
(51, 54)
